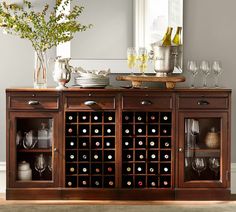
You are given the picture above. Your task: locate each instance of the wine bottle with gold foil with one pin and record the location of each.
(177, 38)
(166, 41)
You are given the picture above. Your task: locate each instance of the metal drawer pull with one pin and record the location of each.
(90, 103)
(203, 102)
(145, 102)
(33, 102)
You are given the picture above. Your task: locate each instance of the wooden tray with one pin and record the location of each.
(136, 81)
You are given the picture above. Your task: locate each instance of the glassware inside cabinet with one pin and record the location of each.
(34, 141)
(202, 149)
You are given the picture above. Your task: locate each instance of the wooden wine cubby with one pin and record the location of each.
(145, 157)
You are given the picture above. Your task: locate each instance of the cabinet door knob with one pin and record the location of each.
(180, 149)
(90, 103)
(203, 102)
(55, 149)
(145, 102)
(33, 102)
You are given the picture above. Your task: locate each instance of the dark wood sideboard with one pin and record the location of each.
(118, 144)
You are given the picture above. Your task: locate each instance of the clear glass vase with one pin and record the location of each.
(40, 70)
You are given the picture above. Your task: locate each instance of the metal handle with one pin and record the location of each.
(180, 149)
(145, 102)
(33, 102)
(203, 102)
(90, 103)
(55, 149)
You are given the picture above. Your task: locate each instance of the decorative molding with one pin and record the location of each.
(3, 177)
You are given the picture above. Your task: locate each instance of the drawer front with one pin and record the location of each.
(90, 102)
(147, 102)
(34, 102)
(203, 102)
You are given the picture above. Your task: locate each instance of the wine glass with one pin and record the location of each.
(143, 59)
(50, 163)
(217, 70)
(206, 68)
(131, 58)
(192, 66)
(214, 165)
(199, 165)
(40, 164)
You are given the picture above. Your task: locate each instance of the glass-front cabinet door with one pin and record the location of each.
(34, 156)
(203, 149)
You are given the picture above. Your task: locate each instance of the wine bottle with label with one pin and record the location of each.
(166, 41)
(177, 38)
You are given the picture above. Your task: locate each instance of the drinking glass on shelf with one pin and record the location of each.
(199, 165)
(40, 164)
(143, 60)
(192, 66)
(205, 68)
(131, 58)
(214, 165)
(217, 70)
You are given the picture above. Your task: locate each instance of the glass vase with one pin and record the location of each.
(40, 70)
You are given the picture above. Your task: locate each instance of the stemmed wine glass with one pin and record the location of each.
(40, 164)
(50, 163)
(143, 60)
(192, 66)
(131, 58)
(214, 165)
(199, 165)
(206, 68)
(217, 70)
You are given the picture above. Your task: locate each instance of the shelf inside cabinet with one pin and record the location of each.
(35, 150)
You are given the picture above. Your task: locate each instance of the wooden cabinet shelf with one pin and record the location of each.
(132, 144)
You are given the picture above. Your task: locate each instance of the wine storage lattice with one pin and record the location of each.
(146, 149)
(90, 149)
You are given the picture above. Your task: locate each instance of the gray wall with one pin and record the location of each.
(209, 33)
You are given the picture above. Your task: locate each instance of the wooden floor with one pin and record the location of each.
(3, 201)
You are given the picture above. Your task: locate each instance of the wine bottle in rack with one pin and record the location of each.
(140, 182)
(71, 143)
(71, 182)
(152, 117)
(84, 129)
(153, 142)
(96, 155)
(165, 143)
(96, 130)
(127, 130)
(165, 155)
(127, 168)
(152, 129)
(140, 117)
(71, 117)
(165, 168)
(109, 143)
(140, 155)
(83, 155)
(127, 155)
(83, 143)
(96, 182)
(109, 168)
(84, 168)
(153, 155)
(83, 181)
(109, 117)
(71, 168)
(140, 168)
(96, 143)
(96, 117)
(71, 130)
(71, 156)
(96, 168)
(140, 142)
(165, 130)
(127, 143)
(165, 117)
(109, 130)
(140, 129)
(152, 168)
(127, 117)
(127, 182)
(152, 182)
(165, 181)
(84, 117)
(109, 155)
(109, 182)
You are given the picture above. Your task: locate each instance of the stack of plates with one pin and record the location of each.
(92, 81)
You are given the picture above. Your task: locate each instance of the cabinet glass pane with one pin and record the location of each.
(202, 149)
(34, 140)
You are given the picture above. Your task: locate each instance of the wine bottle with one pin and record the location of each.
(97, 143)
(166, 169)
(140, 130)
(177, 38)
(97, 170)
(84, 182)
(109, 157)
(108, 144)
(139, 169)
(84, 131)
(96, 131)
(108, 131)
(84, 118)
(84, 170)
(109, 169)
(70, 118)
(127, 131)
(153, 156)
(110, 118)
(72, 169)
(128, 169)
(140, 183)
(153, 118)
(126, 118)
(140, 143)
(72, 143)
(84, 157)
(167, 144)
(128, 156)
(84, 144)
(69, 184)
(166, 156)
(95, 156)
(152, 143)
(70, 130)
(151, 170)
(141, 156)
(95, 118)
(165, 183)
(97, 183)
(110, 183)
(128, 183)
(72, 157)
(153, 184)
(139, 118)
(166, 41)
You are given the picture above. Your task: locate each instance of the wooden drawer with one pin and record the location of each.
(90, 102)
(34, 102)
(198, 102)
(147, 102)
